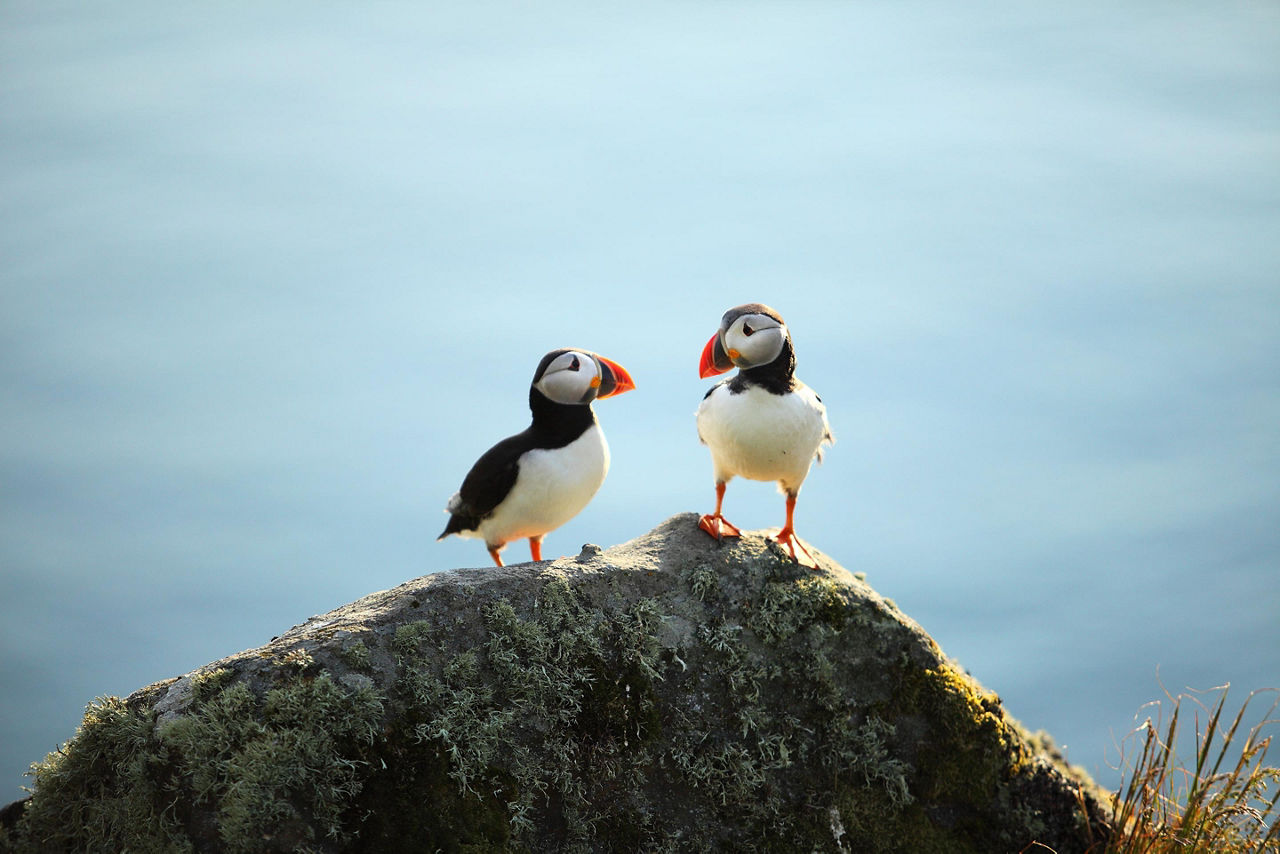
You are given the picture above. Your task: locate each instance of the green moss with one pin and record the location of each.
(794, 716)
(871, 822)
(557, 716)
(785, 607)
(703, 582)
(279, 768)
(865, 752)
(547, 716)
(972, 764)
(410, 638)
(966, 781)
(105, 790)
(412, 804)
(206, 684)
(298, 658)
(355, 655)
(975, 747)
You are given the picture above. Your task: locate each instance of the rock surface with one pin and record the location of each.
(667, 694)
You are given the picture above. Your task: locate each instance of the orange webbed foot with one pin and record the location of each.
(787, 537)
(717, 526)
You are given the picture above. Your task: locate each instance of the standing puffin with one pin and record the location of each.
(535, 481)
(763, 424)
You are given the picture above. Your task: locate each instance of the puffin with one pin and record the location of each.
(763, 423)
(535, 481)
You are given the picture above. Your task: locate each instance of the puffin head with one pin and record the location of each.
(577, 377)
(749, 336)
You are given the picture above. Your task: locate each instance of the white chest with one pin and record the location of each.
(763, 436)
(552, 487)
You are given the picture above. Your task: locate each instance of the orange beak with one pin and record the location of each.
(614, 378)
(714, 359)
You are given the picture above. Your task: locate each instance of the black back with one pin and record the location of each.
(491, 478)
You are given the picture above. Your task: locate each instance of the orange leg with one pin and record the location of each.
(493, 553)
(787, 536)
(535, 547)
(716, 525)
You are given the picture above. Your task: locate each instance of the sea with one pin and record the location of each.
(274, 274)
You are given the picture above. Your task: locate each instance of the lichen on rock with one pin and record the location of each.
(667, 694)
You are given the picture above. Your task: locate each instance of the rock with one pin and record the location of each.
(667, 694)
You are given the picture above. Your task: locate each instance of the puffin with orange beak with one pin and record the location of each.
(763, 423)
(535, 481)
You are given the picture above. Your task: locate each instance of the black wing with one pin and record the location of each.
(488, 482)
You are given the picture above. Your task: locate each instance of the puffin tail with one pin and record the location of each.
(461, 518)
(456, 524)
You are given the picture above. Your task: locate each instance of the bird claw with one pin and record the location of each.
(787, 537)
(718, 527)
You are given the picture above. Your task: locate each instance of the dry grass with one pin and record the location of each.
(1223, 801)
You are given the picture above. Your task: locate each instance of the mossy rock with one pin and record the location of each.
(668, 694)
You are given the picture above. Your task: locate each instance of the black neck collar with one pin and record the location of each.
(777, 377)
(557, 424)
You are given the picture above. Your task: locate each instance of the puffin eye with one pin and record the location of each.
(747, 330)
(575, 364)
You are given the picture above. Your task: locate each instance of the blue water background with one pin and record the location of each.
(272, 275)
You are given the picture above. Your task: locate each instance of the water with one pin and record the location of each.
(274, 275)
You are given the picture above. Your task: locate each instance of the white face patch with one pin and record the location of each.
(572, 377)
(756, 339)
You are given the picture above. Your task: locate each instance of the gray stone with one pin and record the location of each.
(668, 694)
